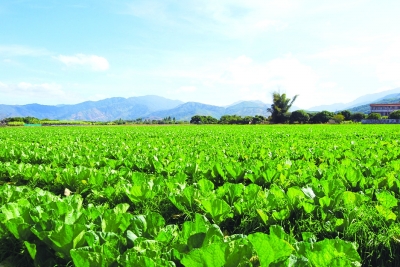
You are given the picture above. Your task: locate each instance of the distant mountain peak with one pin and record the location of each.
(362, 100)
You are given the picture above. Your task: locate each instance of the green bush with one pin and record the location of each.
(300, 116)
(395, 115)
(15, 123)
(357, 117)
(374, 116)
(322, 117)
(338, 118)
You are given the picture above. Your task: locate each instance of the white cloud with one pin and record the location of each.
(388, 63)
(235, 19)
(383, 88)
(187, 89)
(265, 24)
(96, 63)
(44, 89)
(97, 97)
(146, 9)
(388, 71)
(239, 19)
(286, 73)
(183, 92)
(327, 85)
(44, 93)
(339, 53)
(20, 50)
(242, 78)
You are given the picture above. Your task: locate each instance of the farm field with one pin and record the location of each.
(253, 195)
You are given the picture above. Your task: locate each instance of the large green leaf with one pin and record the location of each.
(386, 199)
(231, 193)
(238, 253)
(116, 222)
(98, 256)
(209, 256)
(67, 237)
(386, 213)
(168, 234)
(295, 196)
(333, 252)
(351, 199)
(200, 224)
(141, 192)
(270, 248)
(218, 209)
(132, 258)
(187, 200)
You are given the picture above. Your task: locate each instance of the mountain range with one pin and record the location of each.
(156, 107)
(145, 107)
(360, 101)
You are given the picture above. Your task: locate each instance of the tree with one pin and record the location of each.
(196, 119)
(374, 116)
(300, 116)
(322, 117)
(280, 107)
(346, 114)
(258, 119)
(210, 120)
(311, 115)
(338, 118)
(357, 116)
(395, 115)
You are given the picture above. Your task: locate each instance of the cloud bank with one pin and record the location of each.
(95, 63)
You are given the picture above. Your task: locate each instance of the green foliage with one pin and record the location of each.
(299, 116)
(298, 195)
(322, 117)
(338, 118)
(395, 115)
(234, 119)
(27, 120)
(358, 116)
(197, 119)
(346, 114)
(280, 107)
(374, 116)
(228, 119)
(15, 123)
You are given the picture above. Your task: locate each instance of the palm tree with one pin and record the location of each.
(280, 107)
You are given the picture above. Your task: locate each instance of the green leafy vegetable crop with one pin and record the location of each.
(306, 195)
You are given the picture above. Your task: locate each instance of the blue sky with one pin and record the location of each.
(214, 52)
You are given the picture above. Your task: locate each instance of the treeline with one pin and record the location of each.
(377, 116)
(28, 121)
(228, 119)
(24, 120)
(166, 120)
(301, 116)
(295, 117)
(32, 121)
(298, 116)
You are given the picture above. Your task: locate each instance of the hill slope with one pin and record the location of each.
(362, 100)
(390, 99)
(189, 109)
(103, 110)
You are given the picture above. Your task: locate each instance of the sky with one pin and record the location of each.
(213, 52)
